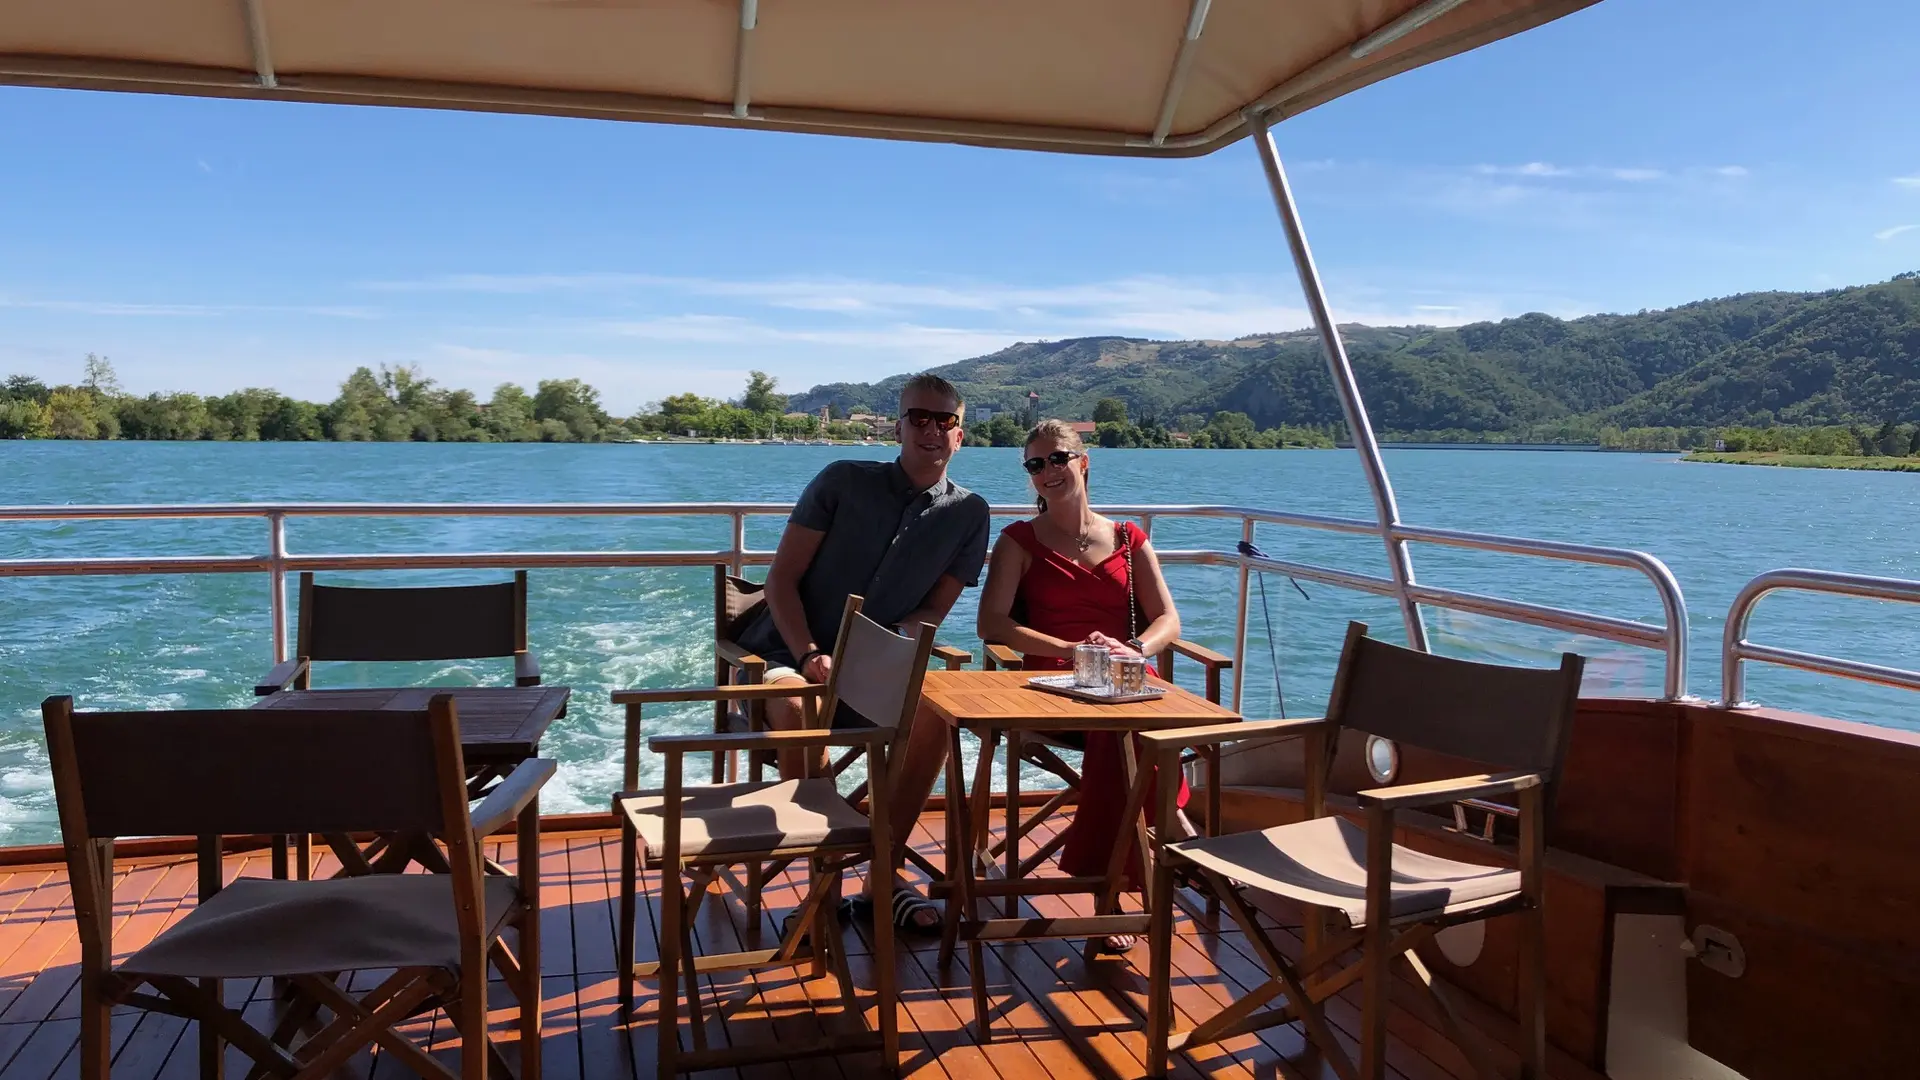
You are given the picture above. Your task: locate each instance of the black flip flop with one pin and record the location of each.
(906, 905)
(786, 927)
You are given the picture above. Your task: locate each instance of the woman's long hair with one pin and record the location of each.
(1061, 433)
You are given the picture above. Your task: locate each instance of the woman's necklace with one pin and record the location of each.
(1083, 540)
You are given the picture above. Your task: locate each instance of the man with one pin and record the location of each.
(905, 538)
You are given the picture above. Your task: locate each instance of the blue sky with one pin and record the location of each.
(1639, 154)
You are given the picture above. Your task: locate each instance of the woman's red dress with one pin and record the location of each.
(1066, 599)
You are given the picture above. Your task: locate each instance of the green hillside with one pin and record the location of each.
(1848, 356)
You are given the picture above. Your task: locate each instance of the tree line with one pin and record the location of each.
(400, 404)
(1114, 428)
(395, 404)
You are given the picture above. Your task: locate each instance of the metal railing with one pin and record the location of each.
(1736, 650)
(1669, 639)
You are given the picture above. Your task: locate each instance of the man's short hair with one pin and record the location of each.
(934, 384)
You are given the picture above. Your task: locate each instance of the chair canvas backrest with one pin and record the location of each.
(877, 672)
(735, 600)
(223, 772)
(448, 622)
(240, 771)
(1495, 715)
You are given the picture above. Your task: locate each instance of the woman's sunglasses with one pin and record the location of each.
(1058, 457)
(945, 421)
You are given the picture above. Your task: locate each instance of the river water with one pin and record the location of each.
(168, 641)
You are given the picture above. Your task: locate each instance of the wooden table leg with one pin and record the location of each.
(1013, 820)
(1132, 835)
(957, 855)
(980, 805)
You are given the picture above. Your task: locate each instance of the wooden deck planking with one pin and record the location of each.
(1055, 1014)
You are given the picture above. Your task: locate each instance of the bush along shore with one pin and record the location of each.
(1809, 461)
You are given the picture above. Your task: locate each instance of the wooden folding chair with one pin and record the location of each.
(441, 622)
(212, 772)
(1381, 898)
(735, 601)
(694, 833)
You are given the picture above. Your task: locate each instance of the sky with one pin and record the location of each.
(1638, 154)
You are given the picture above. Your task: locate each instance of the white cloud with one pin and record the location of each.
(139, 310)
(1531, 168)
(1887, 234)
(1629, 174)
(1908, 181)
(640, 337)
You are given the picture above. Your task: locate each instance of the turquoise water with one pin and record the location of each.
(162, 641)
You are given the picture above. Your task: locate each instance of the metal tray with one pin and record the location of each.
(1099, 695)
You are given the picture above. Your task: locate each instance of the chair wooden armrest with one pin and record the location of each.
(1439, 791)
(282, 676)
(737, 656)
(1201, 653)
(1001, 656)
(512, 795)
(737, 692)
(768, 740)
(1213, 734)
(1212, 663)
(526, 668)
(954, 658)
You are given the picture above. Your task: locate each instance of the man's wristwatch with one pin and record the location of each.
(810, 654)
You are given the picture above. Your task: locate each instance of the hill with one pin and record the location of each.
(1846, 356)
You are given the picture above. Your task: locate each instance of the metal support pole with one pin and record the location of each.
(258, 42)
(277, 574)
(739, 542)
(1240, 620)
(1344, 383)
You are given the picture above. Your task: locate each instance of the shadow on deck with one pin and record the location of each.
(1056, 1015)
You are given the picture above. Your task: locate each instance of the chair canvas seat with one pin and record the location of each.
(256, 927)
(749, 817)
(1322, 862)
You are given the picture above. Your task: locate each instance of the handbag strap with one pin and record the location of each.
(1126, 546)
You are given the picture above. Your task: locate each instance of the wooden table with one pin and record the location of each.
(500, 726)
(997, 705)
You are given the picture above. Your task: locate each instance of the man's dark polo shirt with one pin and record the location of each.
(884, 541)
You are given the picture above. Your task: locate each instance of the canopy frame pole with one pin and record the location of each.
(743, 56)
(1182, 67)
(1344, 383)
(257, 42)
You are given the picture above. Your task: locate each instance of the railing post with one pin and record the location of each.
(739, 542)
(1240, 619)
(277, 574)
(1344, 384)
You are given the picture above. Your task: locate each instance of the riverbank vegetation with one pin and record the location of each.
(1811, 461)
(395, 405)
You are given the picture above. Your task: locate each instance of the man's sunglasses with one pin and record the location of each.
(1058, 457)
(945, 421)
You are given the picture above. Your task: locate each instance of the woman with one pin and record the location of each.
(1070, 577)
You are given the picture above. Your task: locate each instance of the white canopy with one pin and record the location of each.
(1142, 77)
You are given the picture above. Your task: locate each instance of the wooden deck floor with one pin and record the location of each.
(1057, 1015)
